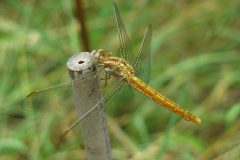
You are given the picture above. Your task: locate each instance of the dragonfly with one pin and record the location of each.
(129, 70)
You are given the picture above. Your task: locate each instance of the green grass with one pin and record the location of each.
(195, 57)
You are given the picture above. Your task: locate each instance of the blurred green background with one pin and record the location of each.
(195, 57)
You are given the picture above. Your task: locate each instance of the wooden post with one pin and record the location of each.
(87, 94)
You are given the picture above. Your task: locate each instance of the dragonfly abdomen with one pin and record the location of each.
(155, 96)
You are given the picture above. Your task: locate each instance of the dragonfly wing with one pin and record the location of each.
(104, 100)
(142, 62)
(116, 89)
(125, 44)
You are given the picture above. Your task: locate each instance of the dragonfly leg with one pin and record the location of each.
(107, 77)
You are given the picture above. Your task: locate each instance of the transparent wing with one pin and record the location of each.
(105, 99)
(142, 62)
(125, 44)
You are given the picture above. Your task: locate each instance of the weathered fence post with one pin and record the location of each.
(87, 94)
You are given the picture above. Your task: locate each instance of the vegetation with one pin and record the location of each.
(195, 61)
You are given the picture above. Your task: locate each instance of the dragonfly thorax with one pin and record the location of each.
(114, 66)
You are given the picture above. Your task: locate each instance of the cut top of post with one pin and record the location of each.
(81, 63)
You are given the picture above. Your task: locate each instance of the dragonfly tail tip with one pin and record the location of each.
(198, 120)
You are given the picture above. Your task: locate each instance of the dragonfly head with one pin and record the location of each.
(95, 55)
(100, 55)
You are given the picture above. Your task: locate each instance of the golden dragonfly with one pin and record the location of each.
(134, 72)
